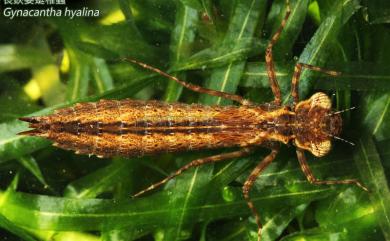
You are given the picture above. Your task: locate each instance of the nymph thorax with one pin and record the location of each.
(309, 126)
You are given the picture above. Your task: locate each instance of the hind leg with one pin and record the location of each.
(195, 163)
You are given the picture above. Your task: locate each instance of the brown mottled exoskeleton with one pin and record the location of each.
(134, 128)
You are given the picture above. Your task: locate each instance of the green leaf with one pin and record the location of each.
(102, 76)
(60, 214)
(318, 49)
(349, 216)
(100, 181)
(14, 146)
(293, 26)
(255, 75)
(16, 230)
(193, 189)
(96, 50)
(242, 26)
(182, 38)
(79, 75)
(63, 236)
(377, 115)
(31, 164)
(360, 76)
(272, 228)
(279, 220)
(218, 56)
(39, 212)
(355, 77)
(371, 169)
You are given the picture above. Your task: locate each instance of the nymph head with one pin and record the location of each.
(316, 124)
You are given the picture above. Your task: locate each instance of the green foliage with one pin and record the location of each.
(51, 194)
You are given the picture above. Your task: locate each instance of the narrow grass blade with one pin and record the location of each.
(63, 236)
(14, 146)
(79, 74)
(101, 75)
(355, 77)
(376, 112)
(275, 225)
(243, 24)
(371, 169)
(255, 75)
(190, 188)
(16, 230)
(218, 56)
(125, 6)
(317, 50)
(31, 164)
(182, 38)
(292, 29)
(102, 180)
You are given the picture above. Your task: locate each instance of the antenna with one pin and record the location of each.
(341, 111)
(343, 140)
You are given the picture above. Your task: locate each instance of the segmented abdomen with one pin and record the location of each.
(133, 128)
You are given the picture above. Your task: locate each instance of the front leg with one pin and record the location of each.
(313, 180)
(297, 74)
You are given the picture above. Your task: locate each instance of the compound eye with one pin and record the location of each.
(320, 100)
(321, 149)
